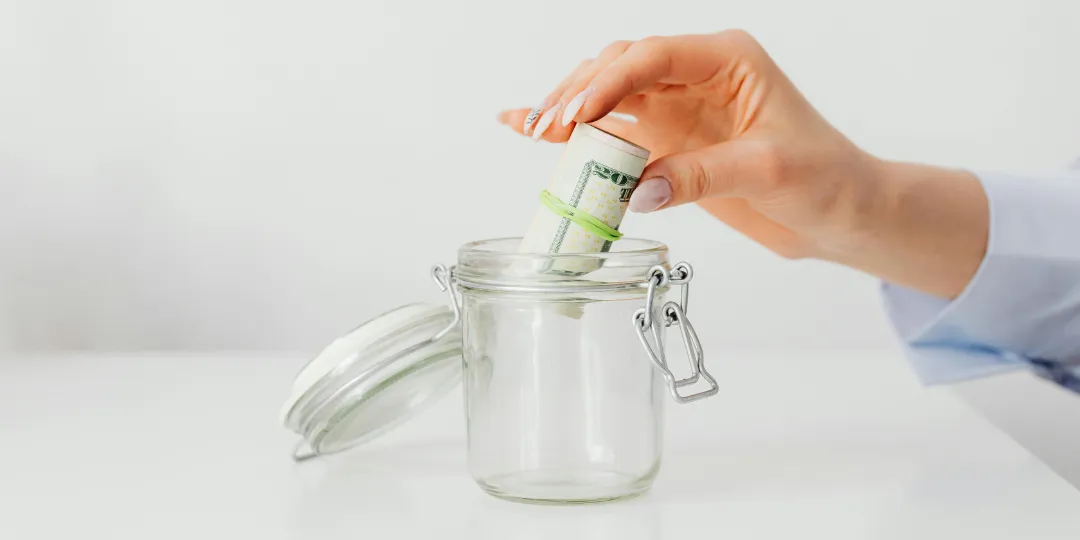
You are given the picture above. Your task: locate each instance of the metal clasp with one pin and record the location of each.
(673, 314)
(444, 279)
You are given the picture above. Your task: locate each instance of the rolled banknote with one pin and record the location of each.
(585, 200)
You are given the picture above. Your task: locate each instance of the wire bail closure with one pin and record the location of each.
(673, 314)
(444, 278)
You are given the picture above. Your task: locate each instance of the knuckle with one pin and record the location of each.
(737, 35)
(626, 81)
(651, 43)
(618, 47)
(698, 181)
(739, 39)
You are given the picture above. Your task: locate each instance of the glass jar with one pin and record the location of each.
(563, 363)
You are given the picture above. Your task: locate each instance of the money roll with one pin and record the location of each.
(586, 199)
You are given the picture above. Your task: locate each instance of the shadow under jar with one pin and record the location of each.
(562, 403)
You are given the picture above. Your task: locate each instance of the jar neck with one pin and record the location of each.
(496, 265)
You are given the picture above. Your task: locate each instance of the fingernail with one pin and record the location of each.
(650, 195)
(574, 106)
(533, 115)
(545, 121)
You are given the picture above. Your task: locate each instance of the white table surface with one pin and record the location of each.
(797, 445)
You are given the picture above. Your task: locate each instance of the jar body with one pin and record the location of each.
(562, 404)
(559, 408)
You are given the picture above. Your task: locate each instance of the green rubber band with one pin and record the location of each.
(582, 219)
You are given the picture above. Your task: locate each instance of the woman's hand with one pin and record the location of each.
(729, 131)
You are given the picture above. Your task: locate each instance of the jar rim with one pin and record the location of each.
(507, 248)
(496, 265)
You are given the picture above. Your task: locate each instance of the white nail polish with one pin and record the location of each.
(545, 121)
(533, 115)
(574, 106)
(650, 195)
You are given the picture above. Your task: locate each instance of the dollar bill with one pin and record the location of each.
(596, 175)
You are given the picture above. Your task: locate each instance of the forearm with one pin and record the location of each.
(929, 232)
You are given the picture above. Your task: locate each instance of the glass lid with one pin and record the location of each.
(375, 377)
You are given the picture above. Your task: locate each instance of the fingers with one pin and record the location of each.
(536, 115)
(575, 94)
(514, 119)
(623, 129)
(624, 69)
(547, 114)
(678, 60)
(730, 169)
(519, 121)
(572, 93)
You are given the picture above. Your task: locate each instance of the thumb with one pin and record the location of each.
(714, 171)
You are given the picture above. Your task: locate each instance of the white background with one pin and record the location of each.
(238, 175)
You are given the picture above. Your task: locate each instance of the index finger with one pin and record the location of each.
(677, 60)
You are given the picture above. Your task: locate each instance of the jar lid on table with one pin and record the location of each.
(375, 377)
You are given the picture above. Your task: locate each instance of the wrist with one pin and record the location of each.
(926, 228)
(862, 211)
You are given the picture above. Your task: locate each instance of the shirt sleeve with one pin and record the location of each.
(1021, 310)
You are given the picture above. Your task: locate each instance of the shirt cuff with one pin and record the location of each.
(944, 361)
(1023, 300)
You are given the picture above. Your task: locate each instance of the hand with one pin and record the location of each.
(728, 130)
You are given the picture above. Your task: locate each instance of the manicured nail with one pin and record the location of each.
(574, 106)
(650, 195)
(533, 115)
(545, 121)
